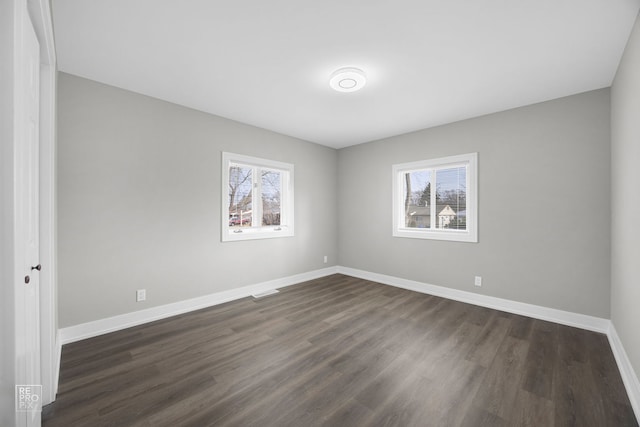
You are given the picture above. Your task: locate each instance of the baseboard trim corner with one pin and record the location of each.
(111, 324)
(577, 320)
(628, 374)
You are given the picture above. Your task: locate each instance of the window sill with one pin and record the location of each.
(236, 234)
(450, 235)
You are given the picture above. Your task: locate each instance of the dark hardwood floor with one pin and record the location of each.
(340, 351)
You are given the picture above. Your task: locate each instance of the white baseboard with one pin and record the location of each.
(98, 327)
(627, 372)
(582, 321)
(115, 323)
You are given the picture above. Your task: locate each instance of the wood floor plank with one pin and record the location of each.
(476, 417)
(486, 345)
(406, 407)
(387, 383)
(541, 360)
(503, 379)
(531, 410)
(342, 351)
(350, 413)
(521, 327)
(603, 368)
(451, 391)
(443, 356)
(574, 384)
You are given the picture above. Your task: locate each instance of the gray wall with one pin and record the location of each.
(625, 198)
(7, 300)
(139, 203)
(139, 184)
(544, 182)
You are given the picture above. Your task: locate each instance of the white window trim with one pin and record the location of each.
(286, 229)
(468, 235)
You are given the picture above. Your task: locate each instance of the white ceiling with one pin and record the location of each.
(267, 63)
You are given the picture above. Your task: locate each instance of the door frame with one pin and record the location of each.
(41, 17)
(40, 14)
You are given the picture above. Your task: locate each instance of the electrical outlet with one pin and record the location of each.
(325, 259)
(478, 281)
(141, 295)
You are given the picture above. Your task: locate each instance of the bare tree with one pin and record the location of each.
(237, 178)
(407, 198)
(271, 184)
(425, 196)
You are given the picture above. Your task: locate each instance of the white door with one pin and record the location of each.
(27, 145)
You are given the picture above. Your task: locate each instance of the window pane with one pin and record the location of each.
(271, 185)
(451, 198)
(240, 186)
(417, 195)
(257, 198)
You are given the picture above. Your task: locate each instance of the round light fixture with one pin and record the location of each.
(348, 79)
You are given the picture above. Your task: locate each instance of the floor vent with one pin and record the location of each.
(265, 293)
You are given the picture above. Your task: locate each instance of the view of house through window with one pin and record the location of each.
(259, 200)
(446, 207)
(436, 199)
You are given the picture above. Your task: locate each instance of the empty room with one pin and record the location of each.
(295, 213)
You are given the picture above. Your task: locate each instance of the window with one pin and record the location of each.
(257, 198)
(437, 199)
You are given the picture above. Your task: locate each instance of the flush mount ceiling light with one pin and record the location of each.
(348, 79)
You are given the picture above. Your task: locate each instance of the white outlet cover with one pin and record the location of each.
(478, 281)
